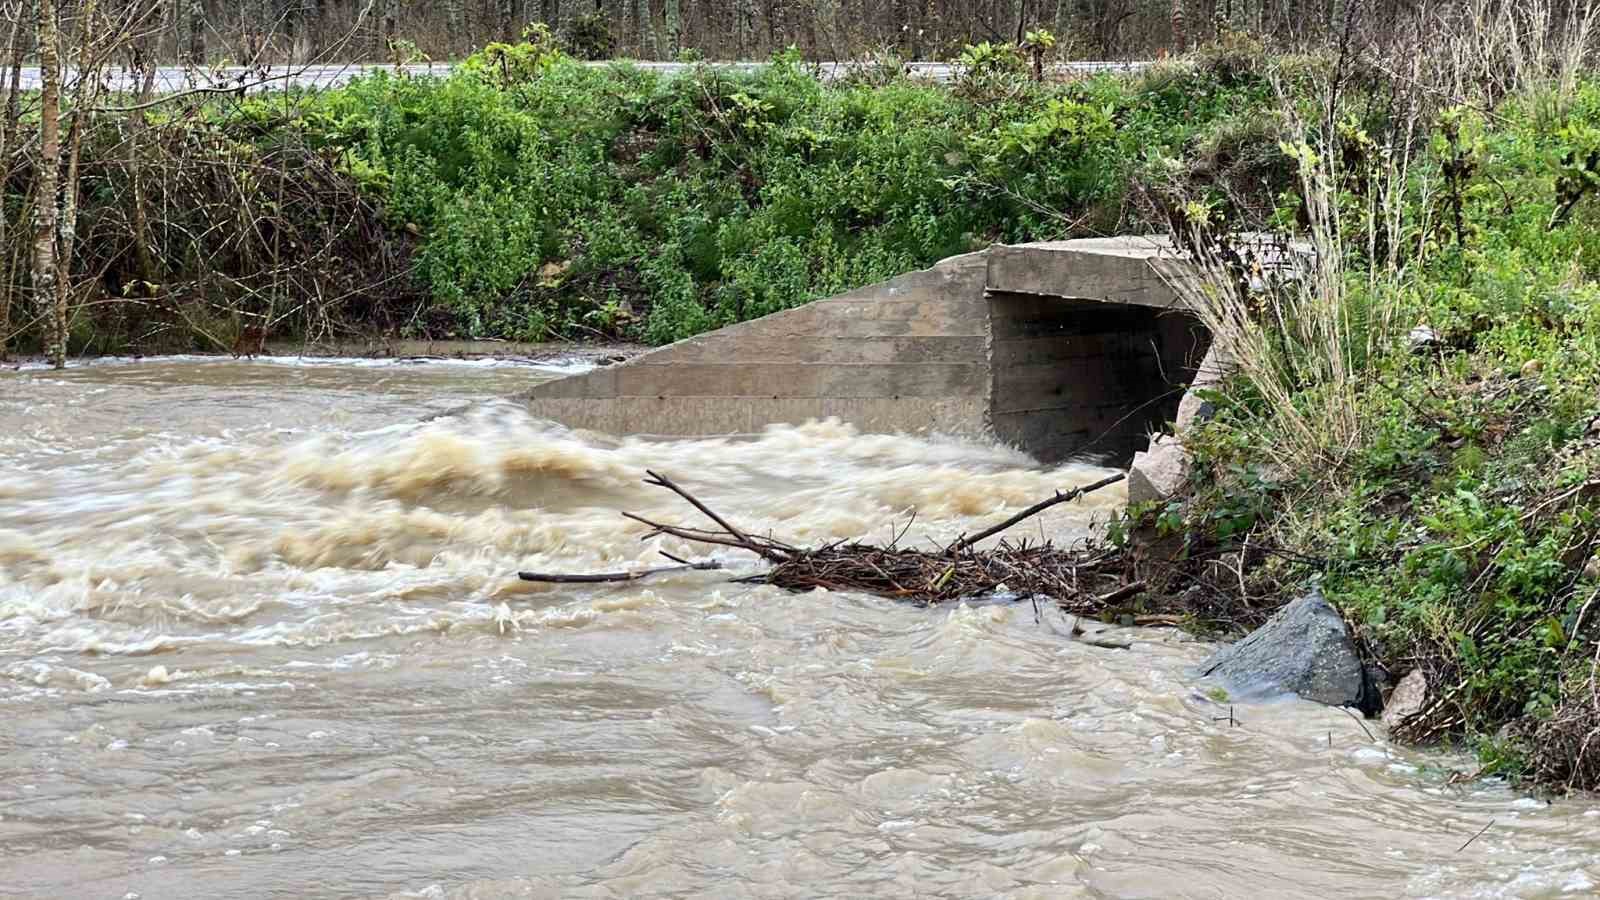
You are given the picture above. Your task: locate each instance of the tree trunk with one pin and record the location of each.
(744, 27)
(196, 19)
(87, 65)
(138, 127)
(647, 31)
(507, 15)
(391, 22)
(67, 223)
(250, 27)
(452, 27)
(287, 14)
(673, 19)
(809, 13)
(44, 205)
(12, 65)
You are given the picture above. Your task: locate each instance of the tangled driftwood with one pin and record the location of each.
(1075, 579)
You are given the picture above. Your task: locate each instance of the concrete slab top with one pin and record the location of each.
(1120, 270)
(1131, 246)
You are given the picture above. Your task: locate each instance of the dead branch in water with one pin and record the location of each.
(925, 577)
(767, 551)
(546, 578)
(965, 542)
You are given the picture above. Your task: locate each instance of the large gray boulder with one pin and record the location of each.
(1304, 649)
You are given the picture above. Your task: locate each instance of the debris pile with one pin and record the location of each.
(1077, 580)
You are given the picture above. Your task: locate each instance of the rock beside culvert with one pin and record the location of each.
(1409, 696)
(1158, 473)
(1194, 409)
(1304, 649)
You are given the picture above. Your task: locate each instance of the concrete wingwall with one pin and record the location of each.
(907, 355)
(1065, 350)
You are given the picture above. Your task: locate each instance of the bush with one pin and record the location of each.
(673, 205)
(589, 37)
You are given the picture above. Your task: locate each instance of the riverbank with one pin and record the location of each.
(1409, 419)
(322, 76)
(529, 196)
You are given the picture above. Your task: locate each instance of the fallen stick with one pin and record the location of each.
(965, 542)
(1475, 837)
(764, 552)
(555, 578)
(1121, 593)
(1161, 621)
(771, 552)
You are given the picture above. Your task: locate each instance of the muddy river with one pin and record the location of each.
(261, 635)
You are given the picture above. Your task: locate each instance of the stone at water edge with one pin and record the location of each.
(1304, 649)
(1159, 472)
(1407, 700)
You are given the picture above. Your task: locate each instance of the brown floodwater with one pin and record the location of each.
(261, 635)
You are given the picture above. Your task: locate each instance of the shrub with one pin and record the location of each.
(590, 37)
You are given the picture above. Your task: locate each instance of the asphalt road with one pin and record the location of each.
(173, 79)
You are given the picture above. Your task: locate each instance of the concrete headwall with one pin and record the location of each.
(907, 355)
(1064, 349)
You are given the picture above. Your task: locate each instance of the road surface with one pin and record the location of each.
(173, 79)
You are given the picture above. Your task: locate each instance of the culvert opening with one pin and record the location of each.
(1086, 380)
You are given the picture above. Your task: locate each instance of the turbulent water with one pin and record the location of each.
(261, 635)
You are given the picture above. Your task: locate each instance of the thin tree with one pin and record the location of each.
(647, 31)
(672, 16)
(88, 67)
(196, 20)
(391, 22)
(8, 126)
(507, 14)
(44, 205)
(454, 22)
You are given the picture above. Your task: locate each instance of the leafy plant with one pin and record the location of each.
(509, 65)
(1038, 44)
(989, 69)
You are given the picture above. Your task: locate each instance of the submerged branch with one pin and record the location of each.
(549, 578)
(1031, 511)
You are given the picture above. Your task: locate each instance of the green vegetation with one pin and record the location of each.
(528, 196)
(1413, 415)
(559, 200)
